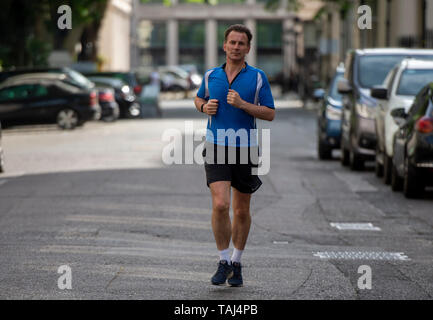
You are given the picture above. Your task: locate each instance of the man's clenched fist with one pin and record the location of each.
(234, 98)
(211, 107)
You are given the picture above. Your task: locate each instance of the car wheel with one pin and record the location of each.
(396, 180)
(387, 167)
(344, 156)
(134, 110)
(112, 117)
(67, 119)
(411, 187)
(356, 163)
(324, 151)
(378, 167)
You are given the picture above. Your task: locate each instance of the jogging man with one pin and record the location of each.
(233, 96)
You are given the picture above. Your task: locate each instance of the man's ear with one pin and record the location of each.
(224, 46)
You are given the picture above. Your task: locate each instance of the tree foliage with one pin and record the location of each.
(30, 32)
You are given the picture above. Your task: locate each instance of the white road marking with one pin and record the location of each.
(361, 255)
(3, 182)
(355, 226)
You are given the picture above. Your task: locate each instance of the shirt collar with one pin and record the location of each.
(223, 66)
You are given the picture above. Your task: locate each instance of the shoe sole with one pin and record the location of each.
(219, 284)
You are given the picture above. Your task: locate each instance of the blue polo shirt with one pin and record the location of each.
(231, 126)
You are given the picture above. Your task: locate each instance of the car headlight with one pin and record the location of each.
(333, 113)
(365, 111)
(125, 89)
(196, 79)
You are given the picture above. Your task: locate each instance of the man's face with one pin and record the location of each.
(236, 47)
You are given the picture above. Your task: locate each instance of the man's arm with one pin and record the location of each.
(210, 107)
(261, 112)
(198, 102)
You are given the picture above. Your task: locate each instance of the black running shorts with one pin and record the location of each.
(232, 164)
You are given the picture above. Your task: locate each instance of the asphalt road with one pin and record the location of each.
(100, 200)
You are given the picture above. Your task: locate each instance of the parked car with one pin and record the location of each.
(329, 118)
(193, 75)
(47, 98)
(72, 76)
(365, 68)
(413, 145)
(174, 78)
(2, 158)
(125, 98)
(109, 107)
(130, 78)
(399, 89)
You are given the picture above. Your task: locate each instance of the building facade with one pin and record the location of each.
(172, 32)
(114, 36)
(395, 23)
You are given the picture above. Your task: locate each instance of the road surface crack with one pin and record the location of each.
(114, 278)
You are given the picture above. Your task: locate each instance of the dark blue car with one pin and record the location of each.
(329, 118)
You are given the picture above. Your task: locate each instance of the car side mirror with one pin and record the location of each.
(344, 87)
(318, 94)
(379, 92)
(399, 116)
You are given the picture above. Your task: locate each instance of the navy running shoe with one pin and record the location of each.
(224, 271)
(236, 279)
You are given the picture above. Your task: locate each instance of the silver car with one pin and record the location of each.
(399, 89)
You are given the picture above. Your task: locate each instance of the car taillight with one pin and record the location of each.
(93, 99)
(137, 89)
(424, 125)
(106, 97)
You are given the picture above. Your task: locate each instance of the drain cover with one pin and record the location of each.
(360, 255)
(355, 226)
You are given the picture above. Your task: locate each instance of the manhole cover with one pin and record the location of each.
(355, 226)
(360, 255)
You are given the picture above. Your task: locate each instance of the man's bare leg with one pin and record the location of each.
(221, 224)
(241, 219)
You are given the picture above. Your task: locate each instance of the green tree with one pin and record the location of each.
(30, 32)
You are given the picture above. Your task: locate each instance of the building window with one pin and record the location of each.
(269, 48)
(191, 43)
(152, 42)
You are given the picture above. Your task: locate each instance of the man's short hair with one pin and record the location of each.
(238, 28)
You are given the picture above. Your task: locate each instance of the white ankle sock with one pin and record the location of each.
(237, 254)
(225, 255)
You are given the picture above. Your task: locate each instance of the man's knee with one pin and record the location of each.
(221, 205)
(241, 213)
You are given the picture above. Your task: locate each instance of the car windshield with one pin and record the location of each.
(373, 69)
(333, 92)
(412, 81)
(79, 79)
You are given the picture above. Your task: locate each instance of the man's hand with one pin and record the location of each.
(234, 99)
(211, 107)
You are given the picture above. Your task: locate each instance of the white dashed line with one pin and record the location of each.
(360, 255)
(355, 226)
